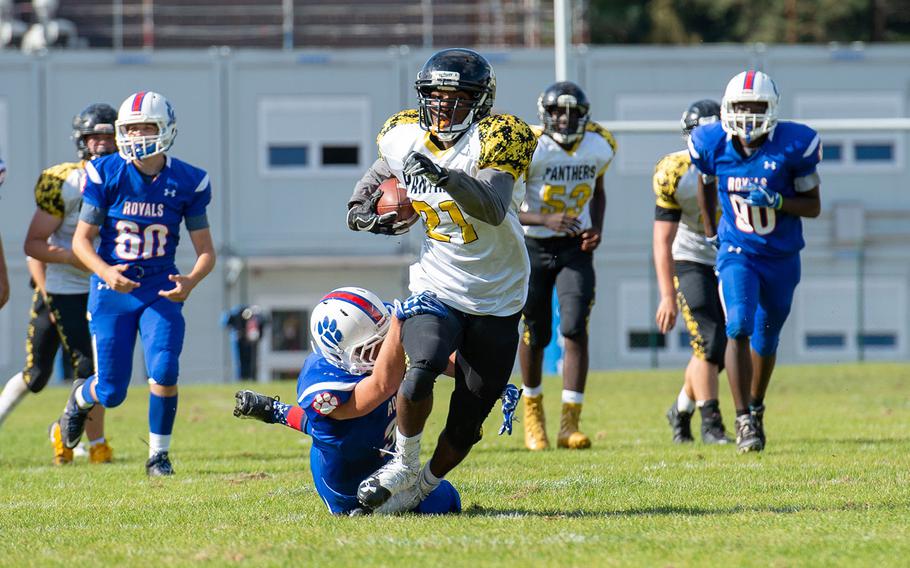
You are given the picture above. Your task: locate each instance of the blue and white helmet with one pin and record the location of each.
(347, 328)
(749, 86)
(141, 108)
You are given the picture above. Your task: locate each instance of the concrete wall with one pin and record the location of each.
(284, 226)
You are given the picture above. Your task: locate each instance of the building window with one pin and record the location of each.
(288, 156)
(289, 330)
(874, 152)
(832, 152)
(340, 155)
(685, 340)
(883, 340)
(640, 339)
(826, 340)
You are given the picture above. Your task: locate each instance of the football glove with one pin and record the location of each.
(761, 197)
(416, 164)
(417, 304)
(510, 397)
(363, 217)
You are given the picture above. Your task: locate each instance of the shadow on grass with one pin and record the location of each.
(665, 511)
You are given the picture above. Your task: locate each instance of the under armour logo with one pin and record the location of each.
(173, 192)
(770, 165)
(103, 286)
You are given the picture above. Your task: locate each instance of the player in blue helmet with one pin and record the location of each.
(767, 180)
(136, 201)
(346, 398)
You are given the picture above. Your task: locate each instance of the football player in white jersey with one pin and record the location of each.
(563, 216)
(61, 282)
(684, 264)
(464, 170)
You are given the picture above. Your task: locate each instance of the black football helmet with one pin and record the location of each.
(564, 98)
(97, 118)
(454, 70)
(700, 112)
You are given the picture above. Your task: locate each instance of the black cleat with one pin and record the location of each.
(758, 418)
(371, 494)
(712, 425)
(747, 439)
(681, 424)
(159, 465)
(72, 421)
(360, 512)
(255, 406)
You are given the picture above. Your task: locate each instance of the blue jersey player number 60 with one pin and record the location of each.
(134, 243)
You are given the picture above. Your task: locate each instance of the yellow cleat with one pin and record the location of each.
(535, 424)
(569, 436)
(62, 454)
(100, 453)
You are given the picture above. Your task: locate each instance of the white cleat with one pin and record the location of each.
(386, 482)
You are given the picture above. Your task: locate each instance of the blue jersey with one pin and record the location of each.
(791, 151)
(344, 452)
(143, 215)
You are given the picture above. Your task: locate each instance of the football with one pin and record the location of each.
(394, 198)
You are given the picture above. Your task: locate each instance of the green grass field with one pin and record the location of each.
(832, 488)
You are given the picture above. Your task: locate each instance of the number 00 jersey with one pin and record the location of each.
(58, 192)
(471, 265)
(561, 180)
(142, 222)
(676, 186)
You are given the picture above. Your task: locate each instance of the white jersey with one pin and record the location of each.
(59, 193)
(471, 265)
(561, 180)
(676, 186)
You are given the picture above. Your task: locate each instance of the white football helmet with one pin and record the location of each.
(347, 328)
(145, 107)
(749, 86)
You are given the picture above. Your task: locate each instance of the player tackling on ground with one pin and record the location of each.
(563, 216)
(767, 181)
(136, 200)
(684, 265)
(464, 170)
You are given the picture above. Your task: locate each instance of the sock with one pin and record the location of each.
(162, 413)
(158, 443)
(290, 416)
(573, 396)
(408, 447)
(84, 398)
(684, 403)
(14, 391)
(532, 391)
(93, 443)
(709, 409)
(427, 481)
(755, 403)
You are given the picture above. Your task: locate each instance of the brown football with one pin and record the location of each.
(394, 198)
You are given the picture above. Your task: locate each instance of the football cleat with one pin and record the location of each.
(569, 435)
(62, 454)
(680, 424)
(255, 406)
(402, 502)
(72, 421)
(535, 424)
(758, 417)
(747, 439)
(159, 465)
(713, 432)
(100, 453)
(386, 482)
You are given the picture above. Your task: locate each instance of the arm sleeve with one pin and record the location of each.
(92, 215)
(486, 197)
(376, 174)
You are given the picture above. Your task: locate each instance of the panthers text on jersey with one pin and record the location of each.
(790, 152)
(471, 265)
(58, 192)
(142, 222)
(344, 452)
(675, 184)
(561, 180)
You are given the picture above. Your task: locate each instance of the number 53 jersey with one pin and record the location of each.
(143, 215)
(785, 163)
(471, 265)
(562, 181)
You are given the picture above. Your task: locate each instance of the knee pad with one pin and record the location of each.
(110, 395)
(418, 383)
(164, 369)
(536, 335)
(737, 329)
(765, 342)
(573, 317)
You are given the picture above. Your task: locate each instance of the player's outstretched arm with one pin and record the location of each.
(84, 249)
(4, 278)
(388, 372)
(362, 214)
(205, 262)
(36, 246)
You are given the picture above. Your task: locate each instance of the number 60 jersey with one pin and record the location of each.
(142, 214)
(471, 265)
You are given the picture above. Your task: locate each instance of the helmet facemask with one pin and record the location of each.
(564, 121)
(749, 124)
(439, 116)
(145, 108)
